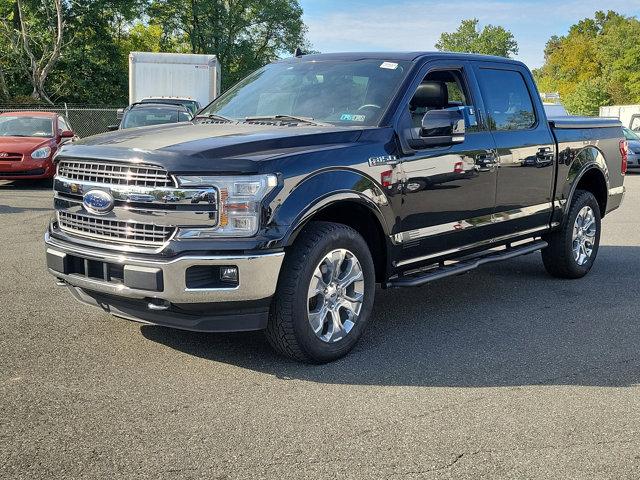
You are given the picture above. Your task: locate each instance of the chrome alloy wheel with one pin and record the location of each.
(584, 235)
(336, 292)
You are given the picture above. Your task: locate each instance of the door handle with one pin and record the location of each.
(545, 154)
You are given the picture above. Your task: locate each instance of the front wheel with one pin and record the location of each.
(573, 248)
(325, 294)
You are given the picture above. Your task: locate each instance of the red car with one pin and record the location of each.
(28, 141)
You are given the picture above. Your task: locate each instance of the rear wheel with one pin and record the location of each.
(325, 294)
(573, 249)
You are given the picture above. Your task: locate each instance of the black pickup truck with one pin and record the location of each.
(287, 199)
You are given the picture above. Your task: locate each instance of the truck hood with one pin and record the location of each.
(214, 147)
(22, 145)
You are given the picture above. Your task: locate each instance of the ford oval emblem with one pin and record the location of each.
(98, 201)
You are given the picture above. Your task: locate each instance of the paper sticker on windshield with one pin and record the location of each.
(347, 117)
(389, 65)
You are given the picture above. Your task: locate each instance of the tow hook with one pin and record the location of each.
(158, 305)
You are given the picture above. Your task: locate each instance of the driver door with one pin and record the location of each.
(449, 191)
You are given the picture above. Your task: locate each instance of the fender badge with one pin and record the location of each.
(383, 160)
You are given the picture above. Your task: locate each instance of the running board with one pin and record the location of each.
(464, 266)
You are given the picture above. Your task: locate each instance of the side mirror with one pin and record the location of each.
(443, 127)
(112, 128)
(67, 134)
(119, 113)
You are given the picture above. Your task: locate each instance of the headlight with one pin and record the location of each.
(239, 200)
(41, 153)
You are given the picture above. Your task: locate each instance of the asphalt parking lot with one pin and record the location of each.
(501, 373)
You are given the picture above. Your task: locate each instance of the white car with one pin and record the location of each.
(555, 110)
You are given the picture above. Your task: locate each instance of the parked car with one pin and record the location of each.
(289, 197)
(28, 142)
(192, 105)
(146, 114)
(633, 139)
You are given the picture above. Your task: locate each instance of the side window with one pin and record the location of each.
(507, 100)
(441, 90)
(62, 124)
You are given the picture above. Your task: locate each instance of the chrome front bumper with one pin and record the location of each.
(257, 275)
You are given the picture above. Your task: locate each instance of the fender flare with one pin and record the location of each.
(587, 159)
(327, 188)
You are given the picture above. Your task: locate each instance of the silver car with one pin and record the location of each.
(633, 139)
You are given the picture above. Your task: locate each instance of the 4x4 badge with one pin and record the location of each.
(384, 160)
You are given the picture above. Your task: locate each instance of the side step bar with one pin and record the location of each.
(464, 266)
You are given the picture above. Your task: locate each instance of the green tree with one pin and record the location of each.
(87, 63)
(33, 32)
(491, 40)
(243, 34)
(597, 63)
(587, 97)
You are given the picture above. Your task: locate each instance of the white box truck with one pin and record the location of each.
(629, 115)
(174, 77)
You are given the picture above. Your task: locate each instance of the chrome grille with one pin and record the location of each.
(123, 232)
(114, 173)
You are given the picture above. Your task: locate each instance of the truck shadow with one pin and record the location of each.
(503, 325)
(33, 185)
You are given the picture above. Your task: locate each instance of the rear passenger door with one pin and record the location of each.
(526, 148)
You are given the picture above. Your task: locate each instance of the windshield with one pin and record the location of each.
(630, 135)
(143, 117)
(19, 126)
(344, 93)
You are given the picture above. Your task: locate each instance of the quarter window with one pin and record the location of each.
(507, 100)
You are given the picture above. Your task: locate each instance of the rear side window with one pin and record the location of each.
(507, 100)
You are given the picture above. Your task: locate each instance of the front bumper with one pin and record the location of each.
(27, 169)
(157, 291)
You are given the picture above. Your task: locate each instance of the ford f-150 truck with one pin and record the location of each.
(288, 198)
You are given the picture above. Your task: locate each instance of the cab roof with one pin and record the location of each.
(401, 56)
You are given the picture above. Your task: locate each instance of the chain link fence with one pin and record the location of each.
(85, 120)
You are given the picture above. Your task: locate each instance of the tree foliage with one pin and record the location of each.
(491, 40)
(244, 34)
(596, 63)
(91, 63)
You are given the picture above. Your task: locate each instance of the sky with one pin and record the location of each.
(409, 25)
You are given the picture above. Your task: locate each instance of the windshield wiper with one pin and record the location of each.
(216, 116)
(285, 118)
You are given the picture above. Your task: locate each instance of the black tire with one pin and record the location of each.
(558, 257)
(288, 330)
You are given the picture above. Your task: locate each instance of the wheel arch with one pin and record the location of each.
(346, 197)
(362, 218)
(588, 172)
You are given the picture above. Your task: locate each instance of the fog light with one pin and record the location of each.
(229, 274)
